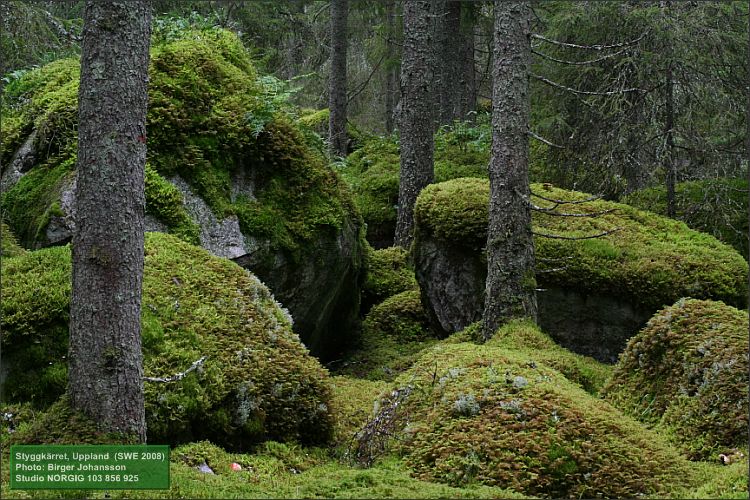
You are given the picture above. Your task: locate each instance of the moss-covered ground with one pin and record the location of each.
(647, 258)
(686, 373)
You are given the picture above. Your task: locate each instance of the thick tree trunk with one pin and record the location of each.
(106, 369)
(337, 82)
(391, 77)
(417, 142)
(511, 288)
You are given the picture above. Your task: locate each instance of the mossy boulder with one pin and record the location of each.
(227, 168)
(598, 292)
(714, 206)
(257, 381)
(393, 334)
(687, 373)
(501, 417)
(388, 273)
(373, 173)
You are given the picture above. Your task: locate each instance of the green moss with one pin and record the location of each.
(257, 382)
(714, 206)
(524, 336)
(60, 424)
(496, 416)
(164, 202)
(388, 273)
(30, 202)
(649, 259)
(352, 404)
(9, 247)
(393, 334)
(686, 372)
(718, 481)
(210, 117)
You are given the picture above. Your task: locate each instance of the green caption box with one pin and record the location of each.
(89, 467)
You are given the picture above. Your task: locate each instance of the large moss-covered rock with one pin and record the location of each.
(714, 206)
(227, 167)
(499, 416)
(257, 380)
(598, 292)
(687, 373)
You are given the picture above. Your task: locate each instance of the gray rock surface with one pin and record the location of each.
(21, 163)
(452, 282)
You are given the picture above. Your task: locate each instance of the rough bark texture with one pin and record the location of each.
(106, 365)
(337, 82)
(511, 286)
(391, 77)
(449, 62)
(467, 73)
(417, 144)
(669, 123)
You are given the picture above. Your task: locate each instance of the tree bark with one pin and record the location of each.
(467, 82)
(391, 78)
(106, 368)
(511, 287)
(417, 142)
(669, 123)
(337, 81)
(448, 61)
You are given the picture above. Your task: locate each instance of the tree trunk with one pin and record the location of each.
(417, 142)
(391, 77)
(467, 82)
(448, 61)
(669, 123)
(511, 287)
(106, 369)
(337, 81)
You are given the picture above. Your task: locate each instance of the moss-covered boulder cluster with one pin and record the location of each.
(687, 373)
(257, 381)
(643, 262)
(714, 206)
(502, 416)
(227, 167)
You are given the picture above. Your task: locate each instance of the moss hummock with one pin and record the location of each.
(687, 373)
(648, 259)
(393, 334)
(9, 247)
(257, 382)
(500, 417)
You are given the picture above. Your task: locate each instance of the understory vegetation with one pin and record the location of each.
(363, 393)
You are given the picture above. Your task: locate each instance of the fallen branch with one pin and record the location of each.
(551, 211)
(563, 202)
(177, 376)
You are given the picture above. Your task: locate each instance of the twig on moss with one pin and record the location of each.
(373, 439)
(177, 376)
(564, 202)
(561, 237)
